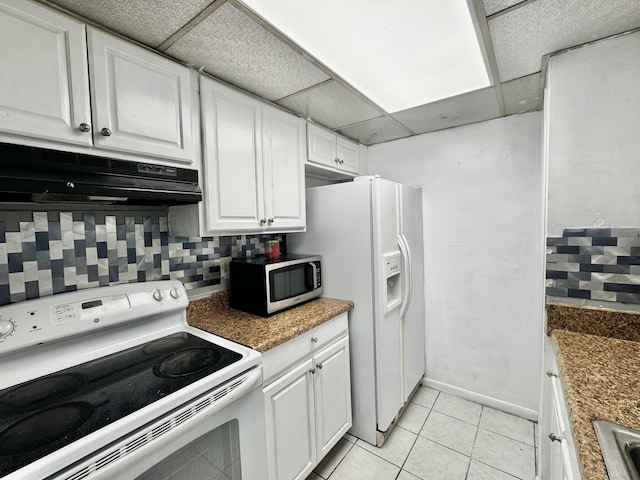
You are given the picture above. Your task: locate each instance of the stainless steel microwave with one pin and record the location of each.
(264, 287)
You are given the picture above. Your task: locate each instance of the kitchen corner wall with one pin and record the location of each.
(49, 252)
(592, 142)
(484, 255)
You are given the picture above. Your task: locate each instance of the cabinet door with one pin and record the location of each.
(283, 161)
(44, 86)
(141, 101)
(332, 382)
(322, 146)
(348, 155)
(232, 160)
(290, 425)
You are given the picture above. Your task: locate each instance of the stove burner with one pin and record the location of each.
(43, 427)
(186, 362)
(165, 345)
(39, 393)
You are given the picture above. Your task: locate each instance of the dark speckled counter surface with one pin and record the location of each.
(213, 314)
(600, 374)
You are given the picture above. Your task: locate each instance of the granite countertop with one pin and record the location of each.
(213, 314)
(600, 374)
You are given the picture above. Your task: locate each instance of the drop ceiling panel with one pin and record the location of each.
(332, 105)
(522, 36)
(150, 23)
(231, 46)
(522, 94)
(376, 130)
(493, 6)
(452, 112)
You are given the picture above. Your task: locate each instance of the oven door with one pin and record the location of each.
(218, 435)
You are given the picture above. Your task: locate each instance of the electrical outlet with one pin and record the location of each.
(224, 266)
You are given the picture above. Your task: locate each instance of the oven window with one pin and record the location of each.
(213, 456)
(288, 282)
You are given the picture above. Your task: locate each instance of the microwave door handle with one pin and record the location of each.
(311, 282)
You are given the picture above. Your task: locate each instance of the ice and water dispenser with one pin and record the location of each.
(392, 271)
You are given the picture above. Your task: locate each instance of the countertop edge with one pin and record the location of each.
(214, 315)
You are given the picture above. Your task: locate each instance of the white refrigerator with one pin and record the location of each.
(369, 233)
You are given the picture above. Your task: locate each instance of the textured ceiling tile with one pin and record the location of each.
(522, 94)
(331, 105)
(376, 130)
(493, 6)
(231, 46)
(521, 37)
(150, 24)
(452, 112)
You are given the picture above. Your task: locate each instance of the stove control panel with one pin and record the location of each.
(90, 309)
(43, 320)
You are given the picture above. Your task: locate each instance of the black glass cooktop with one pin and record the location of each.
(43, 415)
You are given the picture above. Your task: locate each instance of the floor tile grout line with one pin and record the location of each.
(498, 469)
(470, 457)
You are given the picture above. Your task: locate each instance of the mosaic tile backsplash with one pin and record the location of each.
(596, 264)
(44, 253)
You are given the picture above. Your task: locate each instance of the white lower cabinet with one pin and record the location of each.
(308, 404)
(559, 460)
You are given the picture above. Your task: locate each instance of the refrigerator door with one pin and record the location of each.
(413, 322)
(339, 227)
(388, 339)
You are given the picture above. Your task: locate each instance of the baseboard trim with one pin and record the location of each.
(492, 402)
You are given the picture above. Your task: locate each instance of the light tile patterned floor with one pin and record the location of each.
(439, 437)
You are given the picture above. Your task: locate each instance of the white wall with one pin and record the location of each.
(594, 136)
(484, 254)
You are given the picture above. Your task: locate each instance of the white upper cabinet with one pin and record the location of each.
(232, 159)
(348, 155)
(44, 86)
(141, 101)
(331, 151)
(282, 158)
(253, 165)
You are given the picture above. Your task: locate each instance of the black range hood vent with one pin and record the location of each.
(41, 175)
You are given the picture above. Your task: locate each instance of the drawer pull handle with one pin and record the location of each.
(553, 438)
(319, 366)
(551, 374)
(314, 339)
(312, 370)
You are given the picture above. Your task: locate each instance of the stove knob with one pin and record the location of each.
(6, 328)
(175, 293)
(158, 295)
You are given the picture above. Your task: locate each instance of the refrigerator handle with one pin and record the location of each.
(407, 287)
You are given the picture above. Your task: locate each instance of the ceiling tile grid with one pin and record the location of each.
(494, 6)
(470, 107)
(376, 130)
(331, 104)
(150, 23)
(231, 46)
(522, 36)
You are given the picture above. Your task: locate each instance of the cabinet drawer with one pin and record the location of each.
(282, 357)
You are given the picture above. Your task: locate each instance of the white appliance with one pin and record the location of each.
(112, 382)
(369, 233)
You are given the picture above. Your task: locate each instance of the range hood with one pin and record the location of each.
(42, 175)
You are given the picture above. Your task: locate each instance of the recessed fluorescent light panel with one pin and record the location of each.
(398, 54)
